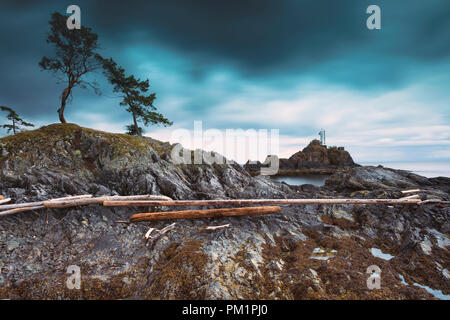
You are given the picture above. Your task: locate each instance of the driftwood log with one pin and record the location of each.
(41, 203)
(11, 211)
(197, 214)
(411, 191)
(2, 200)
(149, 203)
(416, 196)
(100, 200)
(71, 201)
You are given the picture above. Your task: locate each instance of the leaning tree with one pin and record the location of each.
(74, 57)
(16, 122)
(134, 96)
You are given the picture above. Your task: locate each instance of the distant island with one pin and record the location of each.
(314, 158)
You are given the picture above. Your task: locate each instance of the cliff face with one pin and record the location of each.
(67, 159)
(302, 252)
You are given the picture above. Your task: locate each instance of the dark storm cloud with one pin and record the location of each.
(268, 43)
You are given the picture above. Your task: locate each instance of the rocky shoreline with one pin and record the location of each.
(302, 252)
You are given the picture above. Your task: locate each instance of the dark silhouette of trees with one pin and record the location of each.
(16, 121)
(74, 57)
(134, 96)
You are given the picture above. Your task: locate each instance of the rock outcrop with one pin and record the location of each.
(313, 158)
(303, 252)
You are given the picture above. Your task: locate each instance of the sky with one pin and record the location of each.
(292, 65)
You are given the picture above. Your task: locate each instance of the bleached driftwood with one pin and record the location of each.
(40, 203)
(100, 200)
(411, 191)
(416, 196)
(11, 211)
(434, 201)
(196, 214)
(212, 228)
(149, 203)
(4, 200)
(71, 201)
(158, 233)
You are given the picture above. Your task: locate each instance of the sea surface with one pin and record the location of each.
(426, 169)
(314, 179)
(429, 169)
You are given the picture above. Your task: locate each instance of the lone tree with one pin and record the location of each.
(74, 57)
(134, 96)
(16, 121)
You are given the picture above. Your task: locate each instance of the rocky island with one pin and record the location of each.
(301, 252)
(314, 158)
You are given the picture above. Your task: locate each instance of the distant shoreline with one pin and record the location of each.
(429, 169)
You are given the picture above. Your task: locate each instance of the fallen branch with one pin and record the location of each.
(411, 191)
(158, 234)
(212, 228)
(40, 203)
(149, 203)
(197, 214)
(83, 196)
(11, 211)
(4, 200)
(416, 196)
(434, 201)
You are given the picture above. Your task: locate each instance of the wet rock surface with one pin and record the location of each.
(302, 252)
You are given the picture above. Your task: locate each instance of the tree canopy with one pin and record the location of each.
(16, 121)
(74, 57)
(134, 96)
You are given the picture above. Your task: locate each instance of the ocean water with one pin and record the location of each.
(314, 179)
(426, 169)
(429, 169)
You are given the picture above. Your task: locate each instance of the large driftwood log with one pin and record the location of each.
(145, 203)
(72, 201)
(197, 214)
(100, 200)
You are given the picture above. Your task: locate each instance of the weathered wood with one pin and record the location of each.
(40, 203)
(197, 214)
(416, 196)
(145, 203)
(78, 200)
(410, 191)
(5, 200)
(100, 200)
(11, 211)
(21, 205)
(82, 196)
(213, 228)
(434, 201)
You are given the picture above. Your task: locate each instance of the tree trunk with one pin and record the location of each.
(64, 97)
(14, 127)
(136, 125)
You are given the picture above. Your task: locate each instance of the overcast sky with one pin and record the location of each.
(296, 66)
